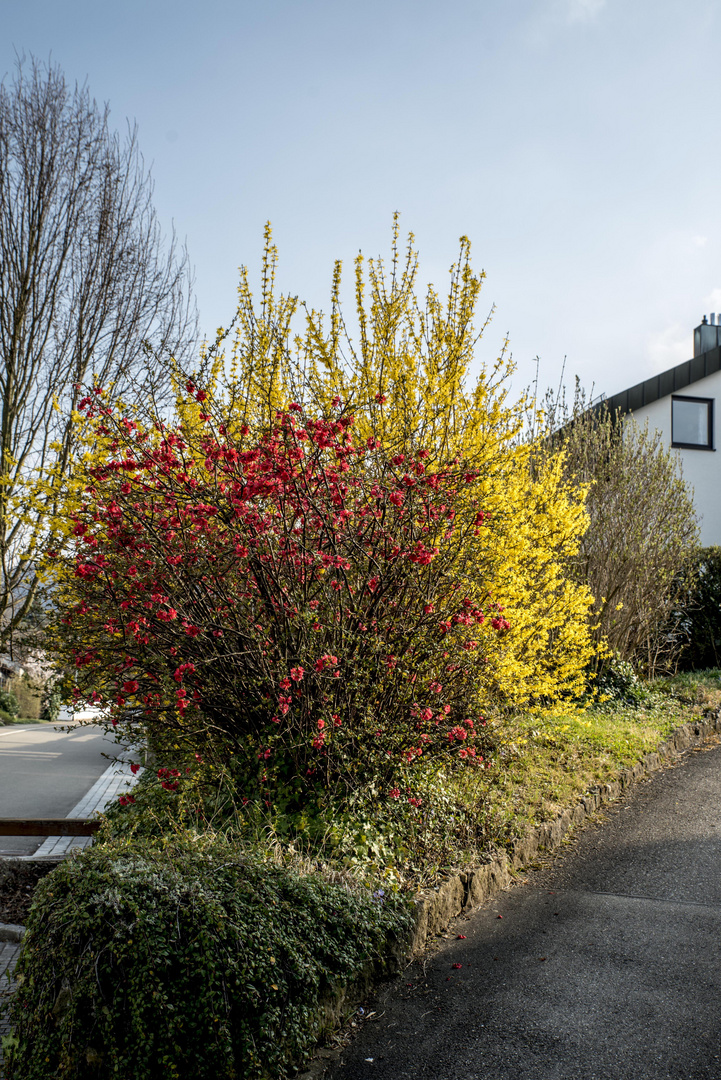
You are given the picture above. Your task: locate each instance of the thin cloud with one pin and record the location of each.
(584, 10)
(713, 300)
(668, 347)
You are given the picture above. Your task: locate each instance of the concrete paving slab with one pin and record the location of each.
(9, 953)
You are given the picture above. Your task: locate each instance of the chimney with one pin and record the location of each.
(706, 335)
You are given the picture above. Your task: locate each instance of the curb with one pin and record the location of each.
(434, 908)
(12, 932)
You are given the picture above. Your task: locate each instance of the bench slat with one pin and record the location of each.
(48, 827)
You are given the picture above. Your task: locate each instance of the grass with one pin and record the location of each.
(548, 761)
(23, 720)
(544, 761)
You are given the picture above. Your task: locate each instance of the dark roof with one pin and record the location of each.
(668, 382)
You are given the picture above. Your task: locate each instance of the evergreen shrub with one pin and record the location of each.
(697, 619)
(28, 695)
(187, 958)
(8, 702)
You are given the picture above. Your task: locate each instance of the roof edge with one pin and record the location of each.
(667, 382)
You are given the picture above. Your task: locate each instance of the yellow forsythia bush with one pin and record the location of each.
(404, 367)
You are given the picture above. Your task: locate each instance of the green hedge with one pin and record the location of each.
(698, 613)
(187, 959)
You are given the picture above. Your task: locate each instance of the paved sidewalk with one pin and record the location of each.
(9, 953)
(114, 781)
(604, 965)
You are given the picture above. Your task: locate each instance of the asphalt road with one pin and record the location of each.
(44, 773)
(604, 965)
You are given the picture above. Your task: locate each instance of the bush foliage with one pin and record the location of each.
(188, 959)
(643, 529)
(295, 605)
(331, 564)
(696, 619)
(28, 695)
(9, 703)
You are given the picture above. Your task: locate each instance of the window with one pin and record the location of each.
(692, 422)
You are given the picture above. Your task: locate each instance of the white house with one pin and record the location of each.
(681, 404)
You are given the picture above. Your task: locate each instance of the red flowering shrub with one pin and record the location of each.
(289, 601)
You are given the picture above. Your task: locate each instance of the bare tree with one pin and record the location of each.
(89, 289)
(643, 528)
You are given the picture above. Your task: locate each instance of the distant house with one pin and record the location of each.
(681, 404)
(8, 669)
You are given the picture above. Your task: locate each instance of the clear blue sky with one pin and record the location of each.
(576, 142)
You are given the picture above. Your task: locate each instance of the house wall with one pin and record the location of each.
(701, 468)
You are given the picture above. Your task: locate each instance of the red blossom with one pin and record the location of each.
(300, 546)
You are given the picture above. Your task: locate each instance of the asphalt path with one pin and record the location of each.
(604, 964)
(45, 772)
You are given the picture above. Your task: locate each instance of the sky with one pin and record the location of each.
(575, 142)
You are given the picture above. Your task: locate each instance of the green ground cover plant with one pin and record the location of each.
(550, 760)
(188, 957)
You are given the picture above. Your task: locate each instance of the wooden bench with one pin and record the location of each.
(48, 827)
